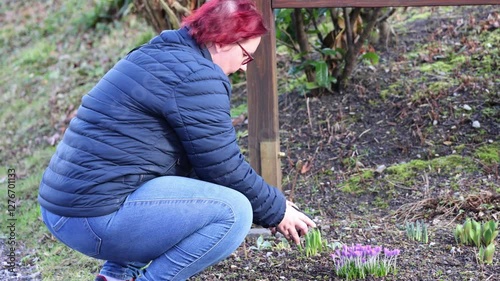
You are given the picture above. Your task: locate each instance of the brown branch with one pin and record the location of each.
(353, 51)
(171, 15)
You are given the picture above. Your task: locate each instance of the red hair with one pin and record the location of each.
(225, 22)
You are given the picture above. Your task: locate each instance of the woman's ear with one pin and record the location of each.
(222, 48)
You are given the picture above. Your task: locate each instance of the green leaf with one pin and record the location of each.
(329, 52)
(488, 253)
(322, 74)
(260, 240)
(458, 231)
(487, 237)
(476, 226)
(492, 225)
(237, 111)
(467, 225)
(311, 85)
(480, 255)
(477, 238)
(372, 57)
(494, 235)
(468, 232)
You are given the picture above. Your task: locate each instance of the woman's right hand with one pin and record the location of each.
(294, 223)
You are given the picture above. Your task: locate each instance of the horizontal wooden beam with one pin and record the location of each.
(375, 3)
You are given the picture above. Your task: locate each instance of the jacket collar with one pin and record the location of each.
(184, 32)
(181, 37)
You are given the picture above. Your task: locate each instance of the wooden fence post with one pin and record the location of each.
(263, 123)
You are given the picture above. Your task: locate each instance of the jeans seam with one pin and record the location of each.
(152, 201)
(60, 223)
(113, 275)
(96, 237)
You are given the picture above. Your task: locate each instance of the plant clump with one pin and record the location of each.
(314, 244)
(359, 262)
(417, 231)
(481, 235)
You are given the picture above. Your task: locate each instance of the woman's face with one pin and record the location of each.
(232, 58)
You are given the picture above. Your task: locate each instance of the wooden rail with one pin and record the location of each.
(263, 123)
(375, 3)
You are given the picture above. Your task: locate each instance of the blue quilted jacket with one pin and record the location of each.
(164, 109)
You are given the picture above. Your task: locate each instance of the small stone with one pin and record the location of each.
(467, 107)
(380, 169)
(453, 250)
(476, 124)
(258, 231)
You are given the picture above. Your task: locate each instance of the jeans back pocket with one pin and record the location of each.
(74, 232)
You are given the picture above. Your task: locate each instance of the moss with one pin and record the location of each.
(384, 94)
(460, 148)
(459, 60)
(381, 202)
(489, 154)
(354, 183)
(351, 185)
(420, 16)
(411, 56)
(490, 113)
(452, 163)
(366, 175)
(440, 86)
(395, 90)
(485, 63)
(439, 66)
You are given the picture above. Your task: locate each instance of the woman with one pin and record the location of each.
(149, 172)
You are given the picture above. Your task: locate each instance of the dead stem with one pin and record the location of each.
(445, 206)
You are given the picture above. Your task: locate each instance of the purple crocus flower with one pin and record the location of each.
(364, 260)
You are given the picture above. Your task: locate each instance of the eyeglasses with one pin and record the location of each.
(249, 57)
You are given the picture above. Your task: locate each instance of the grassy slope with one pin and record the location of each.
(52, 60)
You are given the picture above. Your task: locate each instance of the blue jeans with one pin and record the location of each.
(179, 226)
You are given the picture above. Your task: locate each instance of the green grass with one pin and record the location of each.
(52, 60)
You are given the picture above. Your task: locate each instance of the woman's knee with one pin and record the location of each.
(242, 209)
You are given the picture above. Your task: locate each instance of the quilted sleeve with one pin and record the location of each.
(199, 112)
